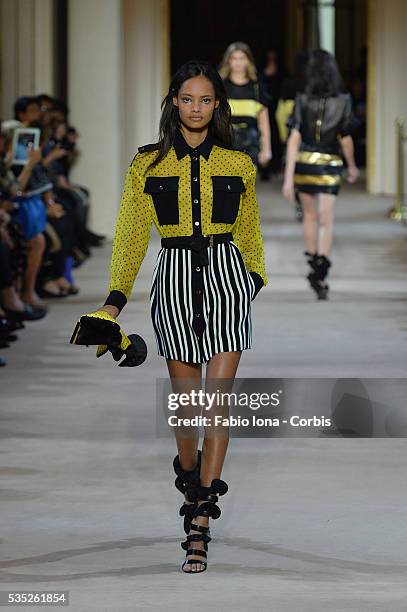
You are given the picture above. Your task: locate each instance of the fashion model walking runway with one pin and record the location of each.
(201, 196)
(321, 130)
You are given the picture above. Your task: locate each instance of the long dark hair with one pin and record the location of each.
(323, 76)
(220, 126)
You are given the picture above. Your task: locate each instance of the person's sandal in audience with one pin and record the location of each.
(51, 290)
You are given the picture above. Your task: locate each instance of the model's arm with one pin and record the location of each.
(293, 145)
(247, 235)
(110, 309)
(263, 121)
(346, 140)
(348, 153)
(130, 241)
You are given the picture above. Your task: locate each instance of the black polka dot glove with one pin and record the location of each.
(100, 328)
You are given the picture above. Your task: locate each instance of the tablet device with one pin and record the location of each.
(22, 138)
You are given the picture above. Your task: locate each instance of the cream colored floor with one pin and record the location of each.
(87, 497)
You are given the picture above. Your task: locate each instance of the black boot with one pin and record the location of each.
(310, 257)
(188, 482)
(320, 265)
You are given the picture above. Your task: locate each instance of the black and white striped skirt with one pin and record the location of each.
(200, 310)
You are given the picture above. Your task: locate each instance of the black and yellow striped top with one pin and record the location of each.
(224, 200)
(246, 101)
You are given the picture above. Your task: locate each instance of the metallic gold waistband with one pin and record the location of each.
(314, 157)
(317, 179)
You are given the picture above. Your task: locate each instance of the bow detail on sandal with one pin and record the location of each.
(187, 482)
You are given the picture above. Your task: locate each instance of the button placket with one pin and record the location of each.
(197, 273)
(195, 195)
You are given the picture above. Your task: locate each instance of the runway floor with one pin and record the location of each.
(87, 497)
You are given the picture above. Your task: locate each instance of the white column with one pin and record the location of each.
(146, 56)
(26, 50)
(95, 99)
(43, 62)
(8, 82)
(388, 89)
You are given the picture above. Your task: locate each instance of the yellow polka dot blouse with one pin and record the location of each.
(162, 196)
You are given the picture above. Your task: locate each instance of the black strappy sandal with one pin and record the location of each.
(209, 496)
(187, 482)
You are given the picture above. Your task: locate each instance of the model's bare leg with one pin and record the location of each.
(221, 366)
(310, 222)
(184, 378)
(326, 221)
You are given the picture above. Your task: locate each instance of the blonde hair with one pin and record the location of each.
(224, 68)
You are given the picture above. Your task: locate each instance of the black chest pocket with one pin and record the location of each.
(164, 191)
(226, 198)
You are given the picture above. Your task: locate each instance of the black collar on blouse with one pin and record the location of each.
(182, 148)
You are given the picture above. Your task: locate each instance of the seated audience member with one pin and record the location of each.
(30, 214)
